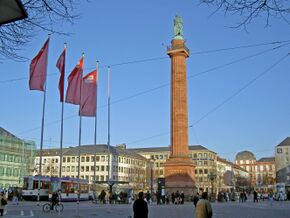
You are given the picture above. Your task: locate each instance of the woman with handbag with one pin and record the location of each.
(3, 202)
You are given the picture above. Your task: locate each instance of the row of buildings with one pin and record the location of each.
(138, 168)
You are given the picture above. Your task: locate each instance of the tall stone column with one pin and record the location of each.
(179, 168)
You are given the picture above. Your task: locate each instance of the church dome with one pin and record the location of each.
(245, 155)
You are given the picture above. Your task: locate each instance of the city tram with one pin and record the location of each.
(30, 187)
(67, 188)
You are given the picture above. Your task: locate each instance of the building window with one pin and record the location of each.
(8, 172)
(82, 159)
(92, 159)
(73, 159)
(56, 160)
(205, 171)
(200, 171)
(68, 169)
(73, 168)
(63, 159)
(102, 168)
(87, 168)
(195, 171)
(102, 158)
(82, 168)
(87, 159)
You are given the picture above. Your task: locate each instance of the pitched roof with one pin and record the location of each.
(90, 150)
(285, 142)
(223, 160)
(4, 132)
(167, 148)
(266, 159)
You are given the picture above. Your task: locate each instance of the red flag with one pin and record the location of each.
(61, 67)
(73, 92)
(38, 68)
(89, 95)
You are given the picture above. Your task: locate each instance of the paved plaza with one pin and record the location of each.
(88, 209)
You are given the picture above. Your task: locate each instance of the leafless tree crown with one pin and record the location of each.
(43, 15)
(248, 10)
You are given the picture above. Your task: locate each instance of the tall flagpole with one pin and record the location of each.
(42, 131)
(61, 129)
(109, 89)
(80, 137)
(95, 138)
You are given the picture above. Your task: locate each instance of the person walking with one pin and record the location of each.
(182, 197)
(271, 198)
(196, 199)
(203, 207)
(140, 207)
(172, 197)
(148, 197)
(3, 202)
(255, 196)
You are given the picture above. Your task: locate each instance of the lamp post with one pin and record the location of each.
(151, 175)
(212, 177)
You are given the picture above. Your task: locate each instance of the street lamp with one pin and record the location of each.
(151, 175)
(11, 10)
(212, 177)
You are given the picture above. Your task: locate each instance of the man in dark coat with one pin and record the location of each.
(140, 207)
(255, 196)
(195, 199)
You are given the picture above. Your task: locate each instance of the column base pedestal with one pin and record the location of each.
(179, 175)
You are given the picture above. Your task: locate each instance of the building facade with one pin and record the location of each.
(122, 165)
(262, 172)
(282, 157)
(203, 158)
(16, 159)
(224, 175)
(266, 172)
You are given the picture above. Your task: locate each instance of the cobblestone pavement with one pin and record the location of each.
(90, 210)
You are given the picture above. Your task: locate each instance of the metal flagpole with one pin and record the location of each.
(95, 138)
(79, 155)
(109, 128)
(42, 131)
(61, 131)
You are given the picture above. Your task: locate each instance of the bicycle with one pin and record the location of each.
(57, 207)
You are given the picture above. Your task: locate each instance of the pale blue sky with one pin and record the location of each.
(115, 32)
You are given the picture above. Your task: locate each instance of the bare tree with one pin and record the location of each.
(43, 15)
(248, 10)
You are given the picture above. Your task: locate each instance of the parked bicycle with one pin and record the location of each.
(57, 207)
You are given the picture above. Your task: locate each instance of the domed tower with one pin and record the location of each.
(247, 161)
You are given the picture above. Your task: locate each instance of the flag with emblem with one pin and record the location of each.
(89, 95)
(73, 92)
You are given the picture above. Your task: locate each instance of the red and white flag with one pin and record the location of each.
(73, 92)
(61, 67)
(38, 68)
(89, 95)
